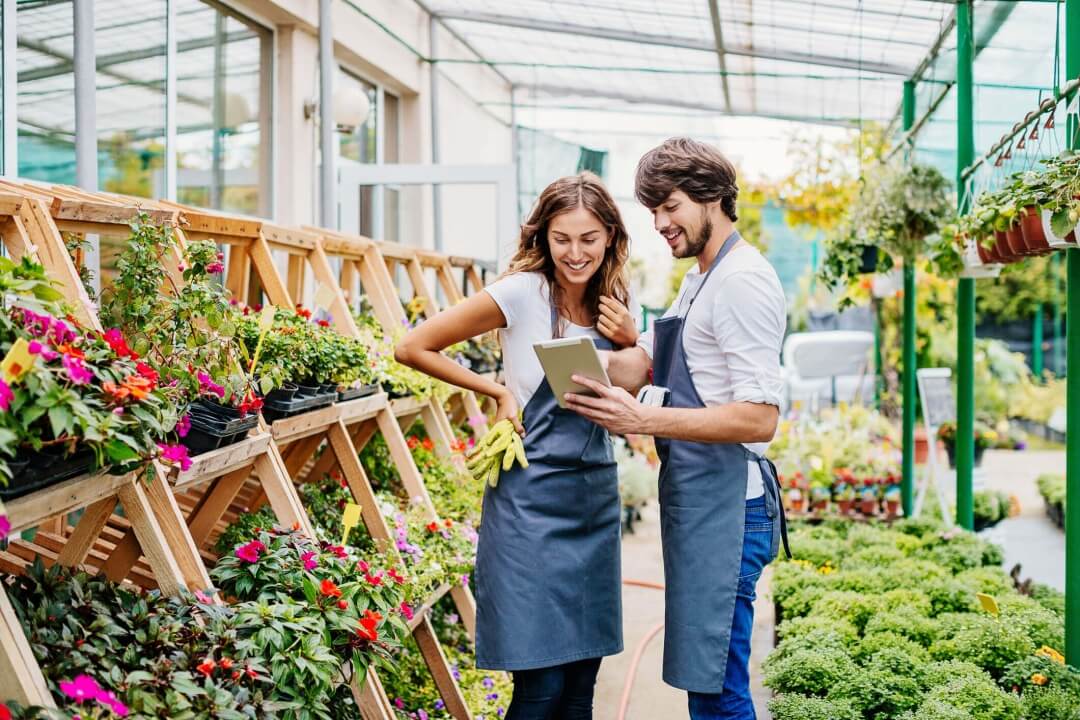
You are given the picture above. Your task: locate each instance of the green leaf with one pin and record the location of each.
(119, 452)
(60, 419)
(1060, 223)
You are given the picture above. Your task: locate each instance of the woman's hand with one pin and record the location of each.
(615, 322)
(508, 410)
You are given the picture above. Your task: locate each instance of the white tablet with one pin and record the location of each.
(566, 357)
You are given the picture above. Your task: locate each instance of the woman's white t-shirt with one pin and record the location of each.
(525, 303)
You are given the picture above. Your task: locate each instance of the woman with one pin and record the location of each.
(547, 567)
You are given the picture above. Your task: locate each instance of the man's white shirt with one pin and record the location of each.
(733, 336)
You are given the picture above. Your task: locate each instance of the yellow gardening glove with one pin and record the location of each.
(496, 451)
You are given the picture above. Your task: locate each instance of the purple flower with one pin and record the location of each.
(491, 696)
(488, 683)
(421, 714)
(452, 618)
(62, 334)
(465, 580)
(81, 688)
(439, 705)
(500, 712)
(76, 371)
(6, 396)
(118, 410)
(455, 672)
(183, 426)
(36, 325)
(208, 387)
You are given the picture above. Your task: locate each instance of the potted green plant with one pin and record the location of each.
(985, 436)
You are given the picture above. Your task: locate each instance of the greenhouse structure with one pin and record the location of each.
(432, 359)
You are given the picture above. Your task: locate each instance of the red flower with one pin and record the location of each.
(235, 675)
(362, 566)
(432, 526)
(395, 576)
(375, 580)
(342, 605)
(225, 664)
(338, 550)
(368, 626)
(428, 445)
(329, 589)
(412, 442)
(406, 611)
(251, 673)
(323, 323)
(146, 371)
(448, 522)
(207, 668)
(303, 312)
(5, 714)
(250, 403)
(116, 341)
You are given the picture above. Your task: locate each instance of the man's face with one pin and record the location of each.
(683, 223)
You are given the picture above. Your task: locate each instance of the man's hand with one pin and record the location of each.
(614, 409)
(616, 323)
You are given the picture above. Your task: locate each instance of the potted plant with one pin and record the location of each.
(868, 497)
(892, 498)
(985, 436)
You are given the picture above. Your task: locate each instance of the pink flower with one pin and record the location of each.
(62, 334)
(203, 597)
(477, 421)
(109, 699)
(214, 268)
(6, 396)
(81, 688)
(183, 426)
(5, 526)
(338, 550)
(76, 371)
(250, 552)
(309, 560)
(406, 611)
(207, 386)
(175, 455)
(34, 347)
(362, 566)
(36, 325)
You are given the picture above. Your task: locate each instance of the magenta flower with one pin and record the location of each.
(6, 396)
(62, 334)
(109, 699)
(250, 552)
(183, 426)
(5, 526)
(214, 268)
(76, 371)
(36, 325)
(34, 347)
(464, 581)
(208, 387)
(477, 421)
(203, 597)
(309, 560)
(406, 611)
(81, 688)
(175, 455)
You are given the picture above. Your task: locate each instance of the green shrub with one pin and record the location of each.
(945, 671)
(991, 643)
(879, 690)
(936, 710)
(1050, 703)
(959, 552)
(903, 598)
(862, 579)
(951, 596)
(800, 707)
(802, 600)
(1050, 598)
(814, 639)
(791, 577)
(1018, 676)
(1042, 626)
(808, 671)
(990, 580)
(919, 527)
(817, 551)
(874, 644)
(802, 626)
(981, 699)
(848, 605)
(906, 622)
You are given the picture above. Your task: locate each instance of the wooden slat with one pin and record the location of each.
(217, 501)
(433, 655)
(271, 282)
(353, 472)
(89, 527)
(154, 543)
(339, 308)
(305, 424)
(20, 677)
(62, 498)
(223, 460)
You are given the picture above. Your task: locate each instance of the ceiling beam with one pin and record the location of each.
(718, 36)
(668, 41)
(572, 91)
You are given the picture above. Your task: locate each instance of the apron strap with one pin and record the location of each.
(772, 487)
(729, 243)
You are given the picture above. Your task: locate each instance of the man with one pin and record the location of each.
(713, 408)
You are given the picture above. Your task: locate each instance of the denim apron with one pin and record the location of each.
(702, 514)
(548, 574)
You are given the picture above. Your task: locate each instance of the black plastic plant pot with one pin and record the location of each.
(869, 261)
(284, 393)
(357, 392)
(214, 409)
(307, 388)
(329, 387)
(40, 470)
(208, 433)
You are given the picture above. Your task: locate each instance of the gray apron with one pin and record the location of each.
(548, 575)
(702, 513)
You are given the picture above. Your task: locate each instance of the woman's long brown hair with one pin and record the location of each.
(534, 254)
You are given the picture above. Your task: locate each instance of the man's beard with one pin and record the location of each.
(697, 245)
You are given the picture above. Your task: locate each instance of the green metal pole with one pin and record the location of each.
(878, 378)
(1037, 343)
(1072, 357)
(965, 325)
(1059, 324)
(907, 486)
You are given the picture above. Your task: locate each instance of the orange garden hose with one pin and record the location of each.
(631, 672)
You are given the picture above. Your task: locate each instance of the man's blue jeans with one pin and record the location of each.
(735, 702)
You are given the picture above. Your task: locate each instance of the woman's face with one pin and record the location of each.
(577, 241)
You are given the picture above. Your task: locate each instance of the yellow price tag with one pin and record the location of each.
(349, 518)
(266, 318)
(989, 604)
(324, 297)
(17, 362)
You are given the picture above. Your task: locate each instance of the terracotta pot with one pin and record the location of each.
(1015, 238)
(1032, 231)
(1002, 249)
(845, 506)
(868, 507)
(820, 506)
(892, 507)
(985, 255)
(798, 505)
(922, 448)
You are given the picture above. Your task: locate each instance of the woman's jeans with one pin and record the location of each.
(562, 692)
(735, 702)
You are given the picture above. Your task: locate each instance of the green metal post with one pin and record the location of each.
(1059, 321)
(907, 486)
(878, 378)
(1072, 358)
(965, 325)
(1037, 343)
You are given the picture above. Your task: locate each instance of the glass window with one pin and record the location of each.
(46, 91)
(223, 109)
(358, 145)
(392, 154)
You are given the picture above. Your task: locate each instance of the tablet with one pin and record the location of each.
(566, 357)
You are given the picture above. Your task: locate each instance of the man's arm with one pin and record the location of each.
(619, 412)
(627, 368)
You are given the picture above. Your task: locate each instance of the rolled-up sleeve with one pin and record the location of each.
(749, 318)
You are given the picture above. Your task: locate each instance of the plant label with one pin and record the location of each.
(989, 604)
(266, 319)
(324, 296)
(17, 362)
(349, 518)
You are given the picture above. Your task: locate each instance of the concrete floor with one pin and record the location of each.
(1030, 539)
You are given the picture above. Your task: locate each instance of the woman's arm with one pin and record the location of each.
(422, 347)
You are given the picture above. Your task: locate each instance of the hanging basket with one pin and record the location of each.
(1031, 230)
(1054, 241)
(974, 264)
(1002, 249)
